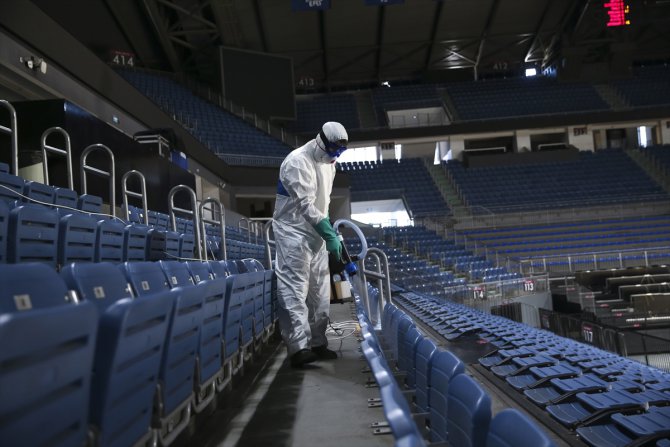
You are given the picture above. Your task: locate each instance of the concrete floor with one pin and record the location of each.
(323, 404)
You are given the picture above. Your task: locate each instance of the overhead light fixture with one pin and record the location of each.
(531, 72)
(386, 84)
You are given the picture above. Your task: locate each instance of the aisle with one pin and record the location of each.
(323, 404)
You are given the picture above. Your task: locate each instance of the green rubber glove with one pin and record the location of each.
(333, 245)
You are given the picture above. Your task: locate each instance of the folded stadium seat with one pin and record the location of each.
(135, 241)
(10, 187)
(109, 238)
(38, 193)
(564, 389)
(89, 203)
(258, 295)
(469, 412)
(32, 234)
(135, 214)
(76, 238)
(636, 429)
(233, 358)
(186, 248)
(66, 198)
(177, 370)
(406, 355)
(4, 231)
(209, 367)
(44, 398)
(444, 368)
(399, 417)
(423, 360)
(590, 409)
(130, 347)
(511, 428)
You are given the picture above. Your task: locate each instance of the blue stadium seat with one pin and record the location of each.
(109, 241)
(135, 243)
(406, 355)
(469, 412)
(39, 192)
(67, 198)
(178, 365)
(423, 360)
(32, 235)
(44, 399)
(4, 230)
(399, 416)
(445, 367)
(89, 203)
(510, 428)
(76, 238)
(131, 343)
(10, 187)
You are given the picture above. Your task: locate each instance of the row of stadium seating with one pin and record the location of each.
(389, 180)
(133, 350)
(454, 408)
(543, 185)
(486, 99)
(607, 400)
(221, 131)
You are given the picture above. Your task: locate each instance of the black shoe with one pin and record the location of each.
(323, 353)
(303, 357)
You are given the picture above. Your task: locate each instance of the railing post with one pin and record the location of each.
(111, 174)
(66, 152)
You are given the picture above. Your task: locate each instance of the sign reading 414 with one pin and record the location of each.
(123, 58)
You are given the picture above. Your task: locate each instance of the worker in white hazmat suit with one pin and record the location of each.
(304, 238)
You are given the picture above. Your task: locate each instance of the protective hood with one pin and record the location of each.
(324, 151)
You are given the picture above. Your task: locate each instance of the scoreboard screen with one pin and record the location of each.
(617, 11)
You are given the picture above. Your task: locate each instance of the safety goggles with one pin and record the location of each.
(333, 149)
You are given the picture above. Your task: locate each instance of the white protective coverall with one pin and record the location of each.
(303, 284)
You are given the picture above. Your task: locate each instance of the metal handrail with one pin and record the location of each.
(221, 222)
(248, 227)
(67, 153)
(138, 195)
(12, 132)
(381, 274)
(111, 174)
(268, 243)
(193, 213)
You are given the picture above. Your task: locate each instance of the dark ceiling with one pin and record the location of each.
(354, 44)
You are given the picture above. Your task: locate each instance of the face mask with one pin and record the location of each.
(332, 149)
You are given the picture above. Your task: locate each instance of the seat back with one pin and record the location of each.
(65, 197)
(186, 245)
(145, 277)
(76, 238)
(406, 354)
(235, 294)
(398, 413)
(219, 269)
(33, 235)
(135, 243)
(4, 230)
(511, 428)
(469, 412)
(199, 271)
(30, 285)
(176, 273)
(44, 399)
(101, 283)
(425, 350)
(131, 344)
(89, 203)
(109, 241)
(39, 192)
(268, 294)
(13, 186)
(445, 367)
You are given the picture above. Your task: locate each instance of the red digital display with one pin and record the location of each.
(617, 11)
